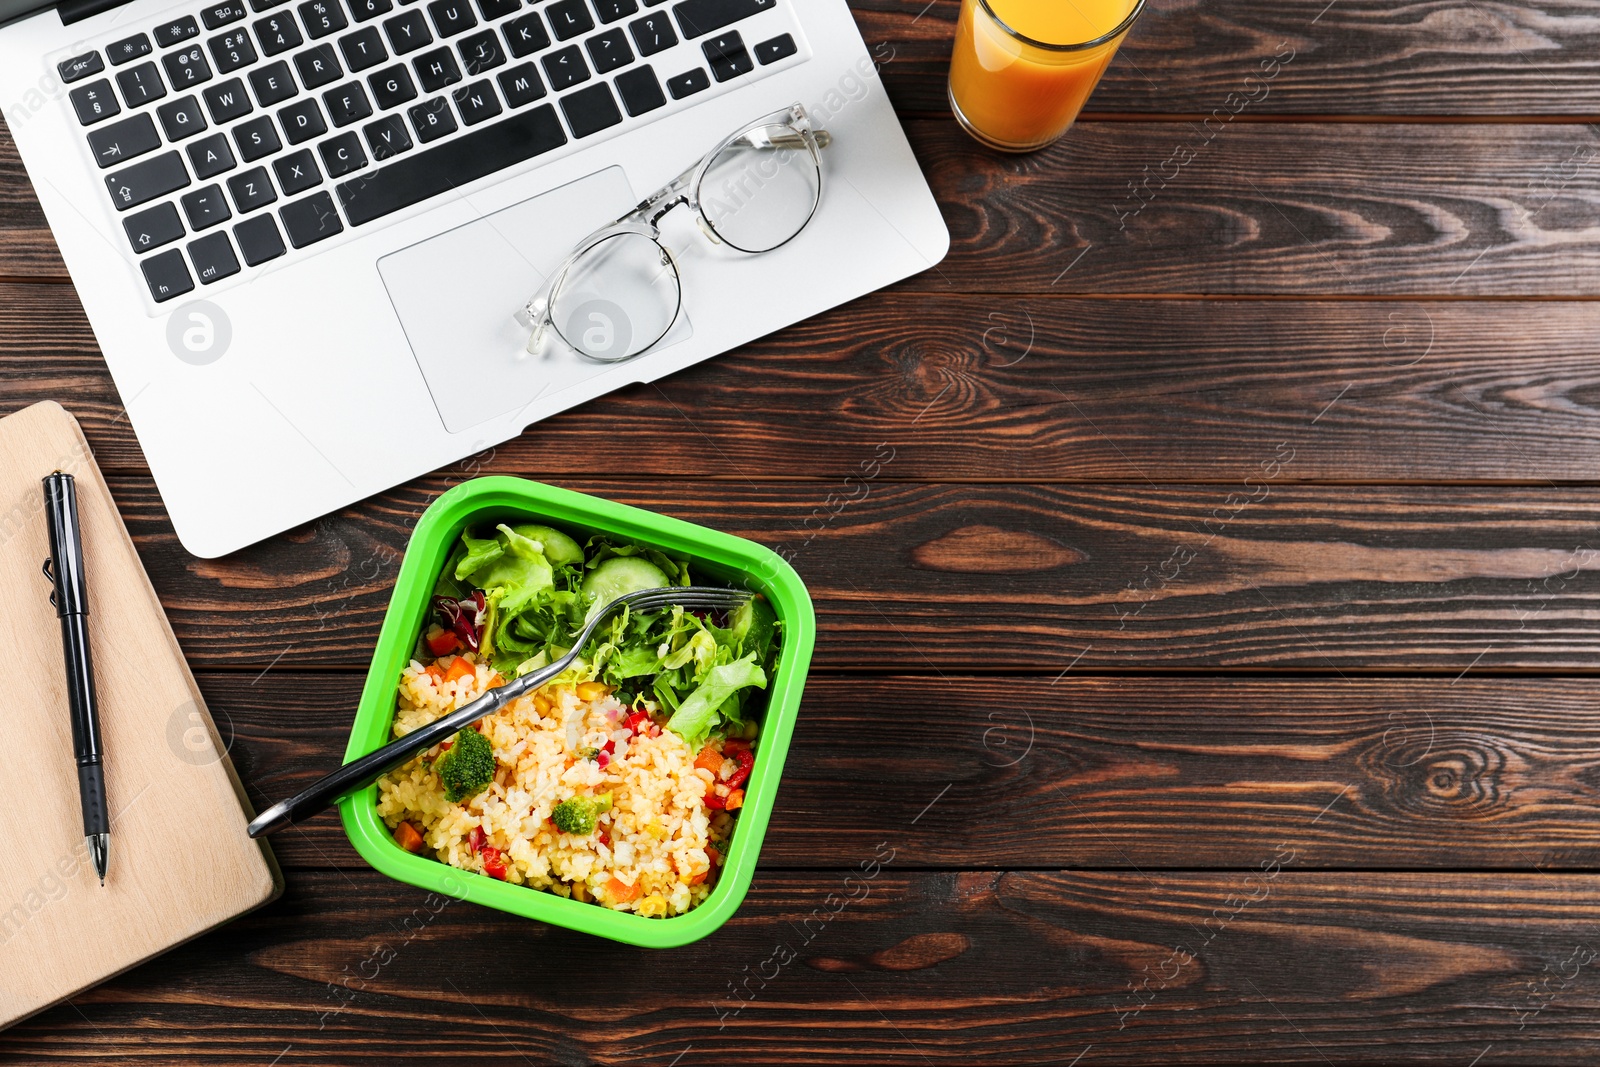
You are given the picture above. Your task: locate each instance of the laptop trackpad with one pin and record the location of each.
(455, 295)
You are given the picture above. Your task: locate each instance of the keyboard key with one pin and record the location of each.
(565, 68)
(79, 67)
(727, 55)
(301, 121)
(177, 31)
(153, 227)
(278, 33)
(181, 118)
(273, 84)
(498, 9)
(477, 102)
(392, 86)
(436, 69)
(346, 104)
(363, 49)
(227, 101)
(342, 154)
(612, 10)
(94, 102)
(213, 258)
(640, 91)
(780, 47)
(167, 275)
(297, 172)
(258, 6)
(370, 9)
(256, 138)
(251, 190)
(520, 85)
(322, 17)
(140, 84)
(475, 154)
(609, 51)
(221, 14)
(127, 49)
(147, 180)
(653, 33)
(311, 220)
(317, 65)
(407, 32)
(432, 119)
(590, 110)
(231, 51)
(186, 68)
(696, 18)
(688, 83)
(387, 137)
(451, 17)
(210, 156)
(481, 52)
(569, 18)
(133, 136)
(525, 35)
(205, 207)
(258, 239)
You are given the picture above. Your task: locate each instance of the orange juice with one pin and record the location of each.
(1022, 69)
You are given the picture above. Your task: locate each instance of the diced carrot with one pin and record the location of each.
(714, 855)
(710, 759)
(697, 879)
(459, 668)
(436, 672)
(735, 799)
(620, 892)
(496, 681)
(406, 836)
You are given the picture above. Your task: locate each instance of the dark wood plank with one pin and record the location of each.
(1035, 388)
(1439, 57)
(1276, 209)
(1007, 772)
(883, 966)
(26, 247)
(949, 578)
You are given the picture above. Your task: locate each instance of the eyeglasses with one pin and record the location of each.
(619, 292)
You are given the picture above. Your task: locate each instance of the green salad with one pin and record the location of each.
(518, 595)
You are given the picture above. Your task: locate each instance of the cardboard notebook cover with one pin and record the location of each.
(181, 862)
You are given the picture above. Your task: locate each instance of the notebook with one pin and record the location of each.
(180, 861)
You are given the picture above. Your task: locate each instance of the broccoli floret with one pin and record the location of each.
(577, 816)
(468, 767)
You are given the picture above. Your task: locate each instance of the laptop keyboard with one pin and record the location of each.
(232, 137)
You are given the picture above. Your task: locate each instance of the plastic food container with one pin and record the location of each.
(715, 558)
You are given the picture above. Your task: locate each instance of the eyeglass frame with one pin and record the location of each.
(644, 219)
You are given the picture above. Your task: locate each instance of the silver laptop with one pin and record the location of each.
(307, 233)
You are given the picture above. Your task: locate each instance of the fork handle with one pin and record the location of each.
(360, 773)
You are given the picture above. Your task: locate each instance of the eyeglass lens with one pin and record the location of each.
(617, 299)
(762, 189)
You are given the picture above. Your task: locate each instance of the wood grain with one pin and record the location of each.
(884, 966)
(1364, 58)
(1033, 388)
(1259, 575)
(1006, 772)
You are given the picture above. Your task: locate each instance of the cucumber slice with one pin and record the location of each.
(620, 575)
(559, 549)
(755, 625)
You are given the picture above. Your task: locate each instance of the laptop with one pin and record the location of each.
(302, 229)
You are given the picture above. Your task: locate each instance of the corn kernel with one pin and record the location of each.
(592, 690)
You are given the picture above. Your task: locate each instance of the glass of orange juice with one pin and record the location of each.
(1022, 69)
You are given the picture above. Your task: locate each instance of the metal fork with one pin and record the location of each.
(362, 772)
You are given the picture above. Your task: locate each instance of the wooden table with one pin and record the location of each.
(1204, 677)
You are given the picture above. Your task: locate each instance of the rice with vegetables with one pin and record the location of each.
(587, 787)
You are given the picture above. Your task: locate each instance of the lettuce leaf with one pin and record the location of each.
(698, 713)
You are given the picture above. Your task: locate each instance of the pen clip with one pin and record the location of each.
(49, 573)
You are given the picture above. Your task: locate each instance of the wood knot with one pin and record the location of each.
(991, 550)
(1441, 774)
(912, 954)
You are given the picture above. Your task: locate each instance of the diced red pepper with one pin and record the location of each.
(476, 838)
(441, 642)
(605, 838)
(714, 802)
(636, 722)
(745, 759)
(494, 863)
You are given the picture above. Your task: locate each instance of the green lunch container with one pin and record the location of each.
(715, 558)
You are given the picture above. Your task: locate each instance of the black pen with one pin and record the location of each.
(71, 600)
